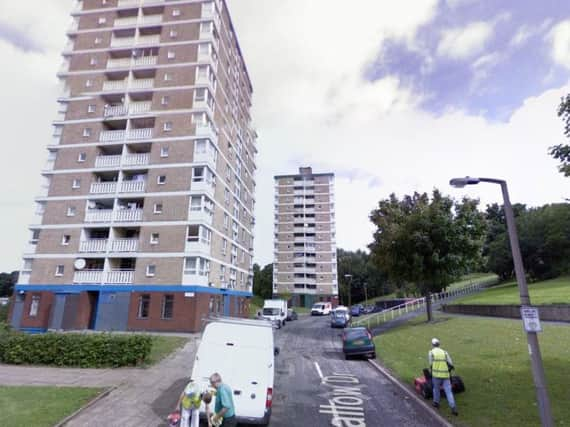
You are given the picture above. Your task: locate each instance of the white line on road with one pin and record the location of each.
(319, 370)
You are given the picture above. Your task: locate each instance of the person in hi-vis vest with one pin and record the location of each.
(440, 364)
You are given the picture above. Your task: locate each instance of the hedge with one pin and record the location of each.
(74, 350)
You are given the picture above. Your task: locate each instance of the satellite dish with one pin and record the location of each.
(79, 264)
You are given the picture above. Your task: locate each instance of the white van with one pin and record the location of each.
(242, 352)
(275, 310)
(321, 308)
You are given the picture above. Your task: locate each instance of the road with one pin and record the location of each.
(314, 384)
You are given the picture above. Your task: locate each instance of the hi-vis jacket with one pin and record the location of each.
(438, 361)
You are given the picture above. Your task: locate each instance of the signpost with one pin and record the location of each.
(531, 319)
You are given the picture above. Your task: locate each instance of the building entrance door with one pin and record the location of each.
(93, 306)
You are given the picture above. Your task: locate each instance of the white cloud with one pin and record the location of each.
(560, 37)
(463, 43)
(526, 32)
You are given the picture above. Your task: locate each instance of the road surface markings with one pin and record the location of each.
(347, 403)
(318, 368)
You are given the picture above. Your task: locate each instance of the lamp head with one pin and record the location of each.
(462, 182)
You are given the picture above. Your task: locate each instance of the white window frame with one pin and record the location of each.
(88, 83)
(161, 179)
(71, 211)
(150, 270)
(224, 247)
(154, 238)
(65, 239)
(165, 100)
(102, 20)
(82, 157)
(93, 61)
(173, 34)
(176, 12)
(91, 108)
(171, 54)
(164, 151)
(167, 77)
(167, 126)
(158, 208)
(98, 40)
(76, 184)
(59, 270)
(34, 306)
(87, 132)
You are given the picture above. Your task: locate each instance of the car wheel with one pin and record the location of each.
(372, 355)
(347, 357)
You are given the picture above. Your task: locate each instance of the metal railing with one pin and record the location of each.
(419, 303)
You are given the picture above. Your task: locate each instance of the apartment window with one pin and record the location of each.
(81, 157)
(88, 83)
(154, 238)
(71, 211)
(87, 132)
(167, 77)
(102, 20)
(223, 272)
(59, 269)
(150, 270)
(161, 179)
(91, 108)
(98, 40)
(226, 196)
(165, 100)
(171, 54)
(167, 309)
(173, 34)
(157, 208)
(144, 306)
(34, 306)
(76, 184)
(163, 151)
(35, 236)
(228, 173)
(226, 221)
(65, 239)
(176, 12)
(224, 247)
(93, 61)
(167, 126)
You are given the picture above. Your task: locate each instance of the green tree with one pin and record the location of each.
(7, 283)
(427, 242)
(561, 152)
(263, 281)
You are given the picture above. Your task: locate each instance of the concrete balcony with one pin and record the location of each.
(136, 159)
(107, 161)
(206, 131)
(192, 278)
(198, 247)
(208, 157)
(151, 19)
(204, 187)
(132, 186)
(89, 276)
(128, 215)
(118, 63)
(112, 135)
(145, 60)
(120, 277)
(149, 40)
(115, 111)
(24, 277)
(98, 215)
(93, 245)
(201, 216)
(147, 2)
(143, 133)
(140, 107)
(122, 41)
(142, 84)
(103, 188)
(124, 245)
(123, 3)
(124, 22)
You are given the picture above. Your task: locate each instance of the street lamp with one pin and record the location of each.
(348, 277)
(532, 339)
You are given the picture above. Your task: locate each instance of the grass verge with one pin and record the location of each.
(29, 406)
(491, 356)
(546, 292)
(163, 346)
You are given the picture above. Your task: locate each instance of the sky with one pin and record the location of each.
(392, 97)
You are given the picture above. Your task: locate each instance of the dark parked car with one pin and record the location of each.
(358, 342)
(356, 310)
(291, 314)
(339, 319)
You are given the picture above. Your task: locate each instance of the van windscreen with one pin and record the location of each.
(271, 311)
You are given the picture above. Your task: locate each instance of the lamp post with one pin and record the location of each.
(532, 339)
(365, 294)
(348, 277)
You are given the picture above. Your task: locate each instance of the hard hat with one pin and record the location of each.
(434, 341)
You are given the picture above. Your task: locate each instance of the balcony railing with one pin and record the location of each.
(142, 133)
(120, 277)
(191, 278)
(136, 159)
(124, 245)
(201, 216)
(103, 187)
(122, 41)
(140, 107)
(112, 135)
(142, 84)
(114, 85)
(152, 39)
(128, 215)
(93, 245)
(115, 110)
(208, 157)
(151, 19)
(98, 215)
(145, 60)
(131, 20)
(89, 276)
(198, 247)
(206, 130)
(204, 186)
(128, 3)
(107, 161)
(132, 186)
(119, 62)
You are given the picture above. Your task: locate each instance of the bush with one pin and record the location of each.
(3, 313)
(74, 350)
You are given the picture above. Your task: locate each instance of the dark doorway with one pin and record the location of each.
(93, 306)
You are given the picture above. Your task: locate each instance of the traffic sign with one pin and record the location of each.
(530, 319)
